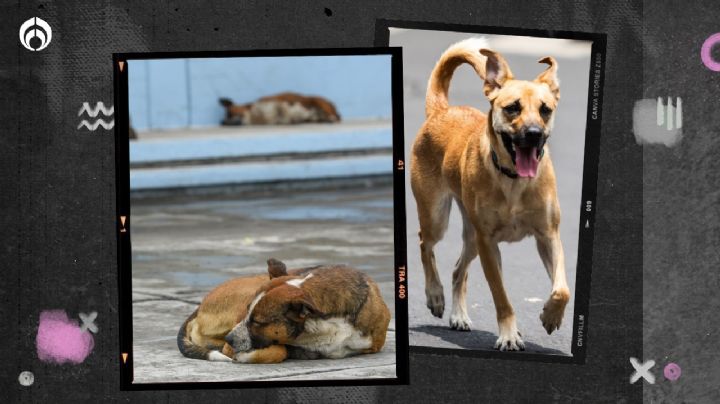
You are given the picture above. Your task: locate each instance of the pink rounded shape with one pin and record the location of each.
(61, 340)
(706, 55)
(672, 371)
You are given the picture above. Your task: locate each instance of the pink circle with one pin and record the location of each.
(705, 54)
(61, 340)
(672, 371)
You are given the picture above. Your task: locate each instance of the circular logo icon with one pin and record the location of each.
(706, 52)
(26, 378)
(35, 34)
(672, 371)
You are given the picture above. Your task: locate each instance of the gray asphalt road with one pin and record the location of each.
(182, 247)
(525, 278)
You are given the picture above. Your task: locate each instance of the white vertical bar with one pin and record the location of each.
(678, 113)
(669, 114)
(660, 112)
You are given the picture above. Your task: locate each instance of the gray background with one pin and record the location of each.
(681, 230)
(524, 276)
(58, 194)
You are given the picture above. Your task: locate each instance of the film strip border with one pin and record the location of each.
(589, 184)
(123, 218)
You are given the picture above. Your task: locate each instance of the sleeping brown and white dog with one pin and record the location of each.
(318, 312)
(280, 109)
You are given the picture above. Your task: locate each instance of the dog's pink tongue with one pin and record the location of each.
(526, 161)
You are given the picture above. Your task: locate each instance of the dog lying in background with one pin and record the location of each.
(280, 109)
(309, 313)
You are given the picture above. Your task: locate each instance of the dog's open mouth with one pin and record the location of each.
(526, 161)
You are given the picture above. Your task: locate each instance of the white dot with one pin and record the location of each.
(26, 378)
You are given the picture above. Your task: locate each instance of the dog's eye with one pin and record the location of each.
(513, 108)
(545, 110)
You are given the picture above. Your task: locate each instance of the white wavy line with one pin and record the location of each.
(93, 112)
(99, 122)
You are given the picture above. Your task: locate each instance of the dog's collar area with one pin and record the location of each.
(507, 142)
(508, 172)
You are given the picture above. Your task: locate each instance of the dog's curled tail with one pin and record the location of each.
(186, 346)
(465, 51)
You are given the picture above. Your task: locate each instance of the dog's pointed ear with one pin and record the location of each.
(549, 76)
(497, 72)
(276, 268)
(301, 308)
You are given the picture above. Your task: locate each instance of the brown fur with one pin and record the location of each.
(374, 317)
(278, 109)
(218, 313)
(279, 316)
(331, 292)
(451, 160)
(271, 354)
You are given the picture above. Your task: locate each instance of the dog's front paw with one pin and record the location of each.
(554, 309)
(511, 342)
(510, 338)
(460, 322)
(435, 301)
(218, 356)
(271, 354)
(244, 357)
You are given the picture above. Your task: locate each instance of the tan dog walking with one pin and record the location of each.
(497, 170)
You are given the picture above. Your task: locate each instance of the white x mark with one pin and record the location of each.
(88, 321)
(642, 370)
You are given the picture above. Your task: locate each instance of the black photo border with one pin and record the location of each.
(589, 180)
(124, 227)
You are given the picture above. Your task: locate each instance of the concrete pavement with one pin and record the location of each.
(185, 245)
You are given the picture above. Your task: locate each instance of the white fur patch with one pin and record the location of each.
(244, 357)
(298, 113)
(333, 338)
(298, 282)
(218, 356)
(266, 111)
(253, 304)
(240, 332)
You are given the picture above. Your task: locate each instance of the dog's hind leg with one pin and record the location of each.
(459, 319)
(433, 213)
(551, 252)
(509, 339)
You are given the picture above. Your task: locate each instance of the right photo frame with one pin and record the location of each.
(502, 133)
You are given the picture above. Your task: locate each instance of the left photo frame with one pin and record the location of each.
(261, 218)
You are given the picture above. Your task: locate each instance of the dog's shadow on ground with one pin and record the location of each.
(478, 340)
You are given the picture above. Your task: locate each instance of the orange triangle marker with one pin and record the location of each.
(122, 65)
(122, 220)
(124, 356)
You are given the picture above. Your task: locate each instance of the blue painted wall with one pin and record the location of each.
(178, 93)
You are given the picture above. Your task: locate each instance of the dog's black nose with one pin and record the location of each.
(533, 134)
(229, 339)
